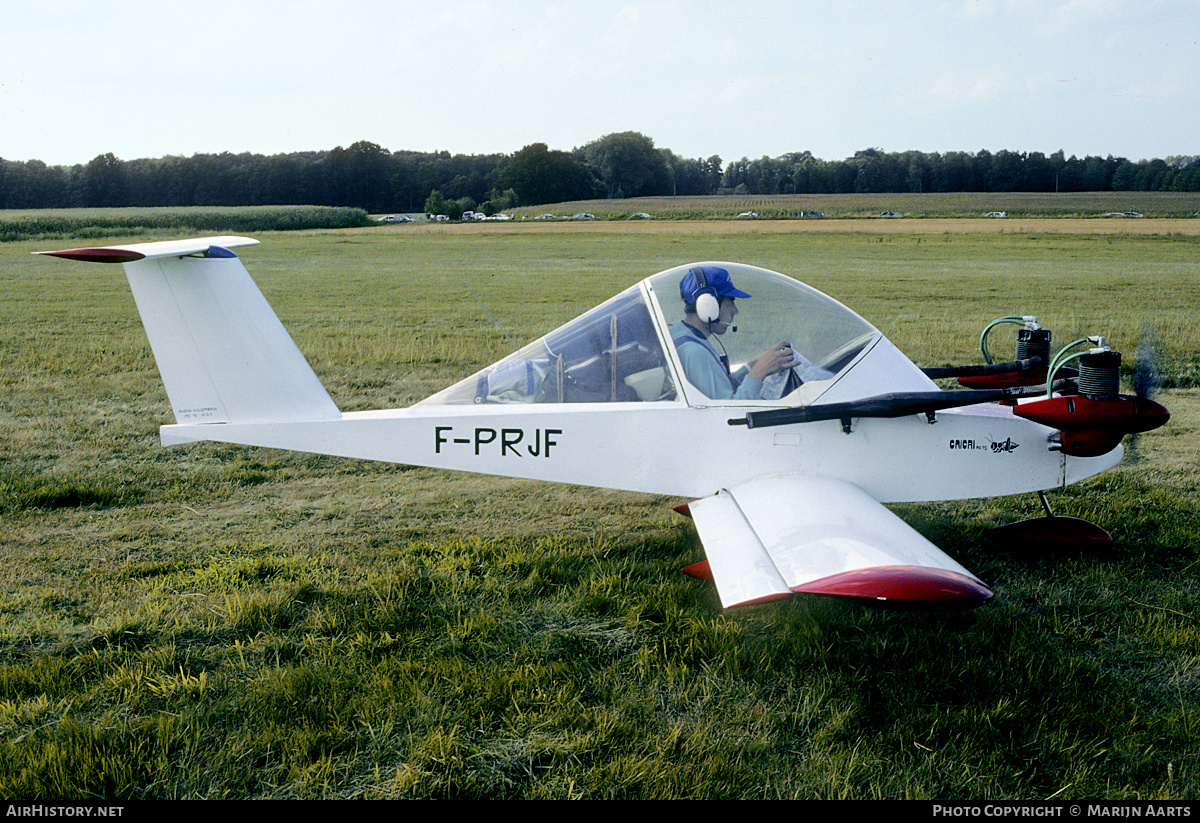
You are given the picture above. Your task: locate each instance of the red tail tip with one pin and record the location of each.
(97, 255)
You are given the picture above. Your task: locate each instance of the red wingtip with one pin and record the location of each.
(97, 255)
(903, 587)
(700, 571)
(683, 509)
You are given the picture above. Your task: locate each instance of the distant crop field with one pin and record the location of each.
(33, 224)
(225, 622)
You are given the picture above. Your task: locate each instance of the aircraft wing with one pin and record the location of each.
(773, 537)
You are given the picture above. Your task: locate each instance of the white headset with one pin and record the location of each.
(708, 307)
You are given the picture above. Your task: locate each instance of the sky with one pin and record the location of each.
(747, 78)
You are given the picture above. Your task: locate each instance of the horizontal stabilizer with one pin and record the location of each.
(150, 251)
(797, 533)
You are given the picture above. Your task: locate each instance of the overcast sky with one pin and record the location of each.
(740, 78)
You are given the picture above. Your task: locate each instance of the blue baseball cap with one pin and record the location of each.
(715, 278)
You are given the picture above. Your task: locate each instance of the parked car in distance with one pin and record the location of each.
(996, 214)
(889, 214)
(750, 214)
(641, 215)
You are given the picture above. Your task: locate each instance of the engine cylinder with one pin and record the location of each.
(1031, 342)
(1100, 375)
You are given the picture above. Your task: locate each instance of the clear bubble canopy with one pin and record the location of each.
(622, 351)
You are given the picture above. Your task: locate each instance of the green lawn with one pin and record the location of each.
(216, 621)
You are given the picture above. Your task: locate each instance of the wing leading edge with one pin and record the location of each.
(777, 536)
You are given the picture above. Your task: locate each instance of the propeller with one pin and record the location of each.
(1147, 369)
(1145, 380)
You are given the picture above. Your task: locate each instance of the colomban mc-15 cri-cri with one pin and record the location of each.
(787, 437)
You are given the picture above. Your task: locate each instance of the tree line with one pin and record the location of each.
(620, 165)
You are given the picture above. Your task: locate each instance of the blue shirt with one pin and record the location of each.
(703, 367)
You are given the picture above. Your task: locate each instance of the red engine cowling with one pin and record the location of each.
(1094, 421)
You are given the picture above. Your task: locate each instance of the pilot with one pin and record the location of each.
(708, 297)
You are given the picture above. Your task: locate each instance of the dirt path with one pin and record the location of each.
(1097, 226)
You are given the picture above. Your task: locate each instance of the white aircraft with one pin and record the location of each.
(788, 492)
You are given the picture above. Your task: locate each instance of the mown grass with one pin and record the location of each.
(216, 621)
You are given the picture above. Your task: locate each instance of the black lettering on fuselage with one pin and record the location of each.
(485, 441)
(509, 438)
(482, 437)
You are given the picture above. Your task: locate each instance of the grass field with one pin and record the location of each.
(216, 621)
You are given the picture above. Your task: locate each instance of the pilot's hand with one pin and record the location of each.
(779, 357)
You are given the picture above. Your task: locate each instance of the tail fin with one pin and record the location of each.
(222, 353)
